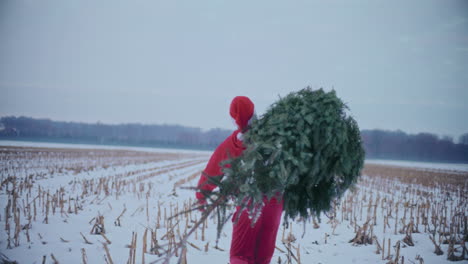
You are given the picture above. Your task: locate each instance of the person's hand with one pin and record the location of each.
(201, 205)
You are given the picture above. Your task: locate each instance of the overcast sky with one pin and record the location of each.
(397, 64)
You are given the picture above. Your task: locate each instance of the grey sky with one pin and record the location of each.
(398, 64)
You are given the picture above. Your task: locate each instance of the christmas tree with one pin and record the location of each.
(305, 149)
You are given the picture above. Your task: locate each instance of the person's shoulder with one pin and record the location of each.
(222, 149)
(227, 141)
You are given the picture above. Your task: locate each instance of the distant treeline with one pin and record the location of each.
(172, 136)
(378, 144)
(381, 144)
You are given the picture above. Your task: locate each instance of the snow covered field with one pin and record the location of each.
(455, 167)
(95, 204)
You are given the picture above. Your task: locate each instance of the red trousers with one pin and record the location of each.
(255, 245)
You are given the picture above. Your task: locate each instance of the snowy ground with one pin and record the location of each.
(52, 195)
(17, 143)
(455, 167)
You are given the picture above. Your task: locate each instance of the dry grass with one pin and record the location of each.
(398, 201)
(425, 177)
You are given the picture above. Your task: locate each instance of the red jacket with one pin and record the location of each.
(230, 148)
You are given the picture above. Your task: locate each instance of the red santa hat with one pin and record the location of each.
(242, 110)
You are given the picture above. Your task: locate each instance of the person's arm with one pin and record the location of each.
(212, 169)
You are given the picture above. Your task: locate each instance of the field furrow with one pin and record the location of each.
(126, 206)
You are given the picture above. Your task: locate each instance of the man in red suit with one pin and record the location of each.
(249, 244)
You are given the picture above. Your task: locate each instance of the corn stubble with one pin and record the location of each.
(386, 209)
